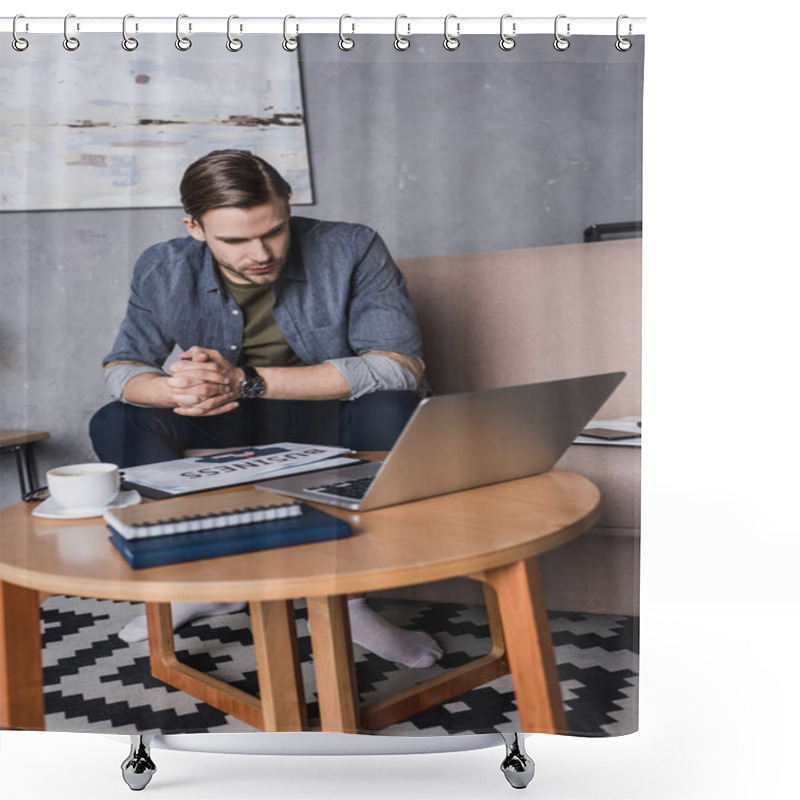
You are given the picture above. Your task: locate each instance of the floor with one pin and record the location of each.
(95, 682)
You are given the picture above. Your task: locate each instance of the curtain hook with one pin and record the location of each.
(451, 42)
(507, 42)
(401, 43)
(128, 42)
(18, 43)
(182, 42)
(70, 42)
(623, 45)
(344, 42)
(561, 43)
(234, 45)
(290, 44)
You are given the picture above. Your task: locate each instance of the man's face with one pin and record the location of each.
(250, 245)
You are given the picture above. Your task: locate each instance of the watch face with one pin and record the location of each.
(252, 385)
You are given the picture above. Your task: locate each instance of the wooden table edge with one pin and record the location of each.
(155, 591)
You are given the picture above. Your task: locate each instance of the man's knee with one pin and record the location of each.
(393, 402)
(125, 434)
(105, 427)
(117, 416)
(105, 419)
(376, 420)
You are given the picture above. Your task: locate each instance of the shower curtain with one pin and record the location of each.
(505, 180)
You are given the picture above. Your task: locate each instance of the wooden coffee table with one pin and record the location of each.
(493, 534)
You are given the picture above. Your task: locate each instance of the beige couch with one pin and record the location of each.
(519, 316)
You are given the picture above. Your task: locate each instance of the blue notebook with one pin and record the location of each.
(312, 526)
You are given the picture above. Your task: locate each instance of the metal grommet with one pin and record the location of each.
(401, 43)
(18, 43)
(234, 45)
(70, 42)
(451, 42)
(182, 42)
(128, 42)
(623, 45)
(561, 43)
(506, 42)
(344, 42)
(290, 44)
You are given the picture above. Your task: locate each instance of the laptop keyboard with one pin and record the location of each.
(354, 489)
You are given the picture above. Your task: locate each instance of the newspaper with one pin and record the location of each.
(229, 467)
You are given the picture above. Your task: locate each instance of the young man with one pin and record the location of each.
(291, 329)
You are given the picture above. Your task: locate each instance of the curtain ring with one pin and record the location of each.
(561, 43)
(344, 42)
(507, 42)
(401, 43)
(182, 42)
(451, 42)
(128, 42)
(234, 45)
(289, 44)
(18, 43)
(623, 45)
(70, 42)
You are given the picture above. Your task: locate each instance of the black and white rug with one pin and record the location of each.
(94, 682)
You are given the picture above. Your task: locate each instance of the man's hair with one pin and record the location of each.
(235, 178)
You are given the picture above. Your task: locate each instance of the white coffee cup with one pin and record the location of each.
(84, 485)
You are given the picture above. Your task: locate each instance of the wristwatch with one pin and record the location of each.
(252, 385)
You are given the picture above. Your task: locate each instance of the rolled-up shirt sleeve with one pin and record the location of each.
(379, 371)
(117, 374)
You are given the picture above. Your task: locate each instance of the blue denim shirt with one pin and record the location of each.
(339, 294)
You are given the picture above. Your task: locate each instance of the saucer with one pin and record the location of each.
(51, 509)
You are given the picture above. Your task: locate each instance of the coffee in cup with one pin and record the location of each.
(84, 485)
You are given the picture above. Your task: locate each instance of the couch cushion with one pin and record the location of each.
(536, 314)
(616, 471)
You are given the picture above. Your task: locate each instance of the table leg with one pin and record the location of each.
(529, 646)
(280, 679)
(165, 666)
(450, 684)
(334, 667)
(21, 689)
(281, 706)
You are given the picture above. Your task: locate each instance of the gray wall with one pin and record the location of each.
(443, 152)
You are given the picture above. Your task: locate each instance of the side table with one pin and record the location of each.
(20, 443)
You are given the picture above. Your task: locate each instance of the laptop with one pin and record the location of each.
(454, 442)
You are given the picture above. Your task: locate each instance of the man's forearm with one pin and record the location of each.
(339, 380)
(149, 389)
(185, 396)
(209, 372)
(317, 382)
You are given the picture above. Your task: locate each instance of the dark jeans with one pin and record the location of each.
(129, 435)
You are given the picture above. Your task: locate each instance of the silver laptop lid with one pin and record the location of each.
(460, 441)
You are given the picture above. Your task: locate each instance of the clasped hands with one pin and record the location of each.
(204, 383)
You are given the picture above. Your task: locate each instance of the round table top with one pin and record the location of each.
(441, 537)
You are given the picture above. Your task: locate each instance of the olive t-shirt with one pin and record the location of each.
(263, 345)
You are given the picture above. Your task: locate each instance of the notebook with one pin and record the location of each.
(310, 525)
(459, 441)
(198, 513)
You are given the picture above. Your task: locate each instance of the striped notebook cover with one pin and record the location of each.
(200, 513)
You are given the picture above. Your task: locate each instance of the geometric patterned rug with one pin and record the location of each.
(96, 683)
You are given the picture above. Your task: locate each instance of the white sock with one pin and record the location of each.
(409, 648)
(136, 629)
